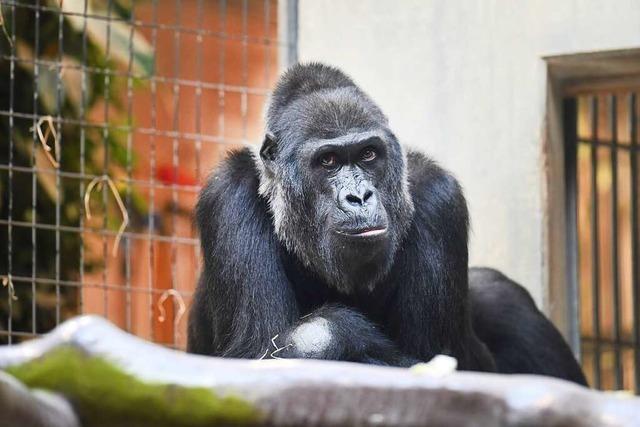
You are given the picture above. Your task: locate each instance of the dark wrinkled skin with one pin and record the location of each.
(315, 226)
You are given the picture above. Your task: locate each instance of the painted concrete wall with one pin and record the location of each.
(465, 82)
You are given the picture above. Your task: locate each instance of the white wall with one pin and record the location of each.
(465, 82)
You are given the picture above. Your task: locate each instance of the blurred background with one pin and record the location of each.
(112, 113)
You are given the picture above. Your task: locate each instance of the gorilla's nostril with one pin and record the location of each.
(354, 200)
(367, 195)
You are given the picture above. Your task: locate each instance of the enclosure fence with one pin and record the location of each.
(111, 115)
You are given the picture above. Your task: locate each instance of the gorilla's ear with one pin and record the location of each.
(269, 146)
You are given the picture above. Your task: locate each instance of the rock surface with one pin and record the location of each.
(111, 377)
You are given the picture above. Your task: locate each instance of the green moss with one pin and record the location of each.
(103, 395)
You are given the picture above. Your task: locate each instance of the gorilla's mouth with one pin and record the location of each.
(367, 232)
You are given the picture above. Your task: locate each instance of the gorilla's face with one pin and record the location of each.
(338, 190)
(346, 171)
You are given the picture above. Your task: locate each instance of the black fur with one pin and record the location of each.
(286, 238)
(519, 336)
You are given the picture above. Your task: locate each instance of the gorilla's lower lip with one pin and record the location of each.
(365, 232)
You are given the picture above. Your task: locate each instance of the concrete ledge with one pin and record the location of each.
(110, 376)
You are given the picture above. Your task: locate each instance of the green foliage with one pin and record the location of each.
(75, 73)
(103, 395)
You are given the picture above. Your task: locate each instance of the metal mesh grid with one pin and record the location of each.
(111, 114)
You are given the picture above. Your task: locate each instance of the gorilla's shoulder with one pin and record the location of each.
(239, 167)
(489, 286)
(232, 184)
(428, 180)
(423, 169)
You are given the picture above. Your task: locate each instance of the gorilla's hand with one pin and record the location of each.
(336, 332)
(310, 339)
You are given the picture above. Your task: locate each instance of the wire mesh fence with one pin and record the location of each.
(111, 115)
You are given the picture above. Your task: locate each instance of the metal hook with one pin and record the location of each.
(100, 180)
(177, 298)
(42, 137)
(8, 283)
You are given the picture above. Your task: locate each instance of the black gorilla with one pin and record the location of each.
(333, 242)
(519, 336)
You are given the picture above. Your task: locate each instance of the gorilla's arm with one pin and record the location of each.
(521, 338)
(430, 313)
(336, 332)
(243, 298)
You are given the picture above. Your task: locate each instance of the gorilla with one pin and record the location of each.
(519, 336)
(335, 242)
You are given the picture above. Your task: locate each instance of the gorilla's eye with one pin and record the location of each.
(329, 160)
(368, 154)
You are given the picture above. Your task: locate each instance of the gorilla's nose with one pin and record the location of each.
(354, 199)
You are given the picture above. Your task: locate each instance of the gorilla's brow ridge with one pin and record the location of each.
(349, 138)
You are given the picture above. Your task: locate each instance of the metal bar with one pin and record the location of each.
(98, 285)
(152, 167)
(101, 231)
(83, 143)
(198, 112)
(635, 235)
(12, 66)
(222, 12)
(128, 195)
(595, 250)
(253, 90)
(605, 144)
(105, 167)
(34, 185)
(144, 131)
(570, 122)
(88, 177)
(58, 158)
(244, 70)
(267, 48)
(143, 77)
(609, 343)
(615, 273)
(198, 100)
(175, 158)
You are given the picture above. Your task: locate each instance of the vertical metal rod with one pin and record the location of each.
(245, 71)
(570, 129)
(34, 185)
(83, 109)
(199, 77)
(127, 240)
(105, 168)
(12, 66)
(58, 157)
(613, 123)
(199, 55)
(222, 10)
(635, 234)
(595, 250)
(267, 46)
(152, 166)
(175, 155)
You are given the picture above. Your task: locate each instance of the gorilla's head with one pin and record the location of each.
(335, 177)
